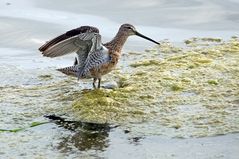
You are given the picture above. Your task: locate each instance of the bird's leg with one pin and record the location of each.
(99, 80)
(76, 61)
(94, 80)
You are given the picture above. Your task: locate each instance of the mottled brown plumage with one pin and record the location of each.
(94, 58)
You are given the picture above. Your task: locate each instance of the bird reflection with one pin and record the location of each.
(85, 140)
(85, 136)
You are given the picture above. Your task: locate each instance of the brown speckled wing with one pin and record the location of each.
(82, 44)
(69, 34)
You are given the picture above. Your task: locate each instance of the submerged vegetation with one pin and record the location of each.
(34, 124)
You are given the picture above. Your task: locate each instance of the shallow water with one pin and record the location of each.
(31, 88)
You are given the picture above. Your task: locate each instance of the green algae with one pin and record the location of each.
(202, 41)
(167, 47)
(12, 130)
(33, 124)
(212, 39)
(176, 87)
(213, 82)
(106, 106)
(20, 103)
(146, 63)
(45, 77)
(188, 93)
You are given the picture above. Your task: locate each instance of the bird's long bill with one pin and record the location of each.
(145, 37)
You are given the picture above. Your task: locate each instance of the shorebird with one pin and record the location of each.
(94, 59)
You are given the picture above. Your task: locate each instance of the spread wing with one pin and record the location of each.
(82, 44)
(91, 53)
(86, 42)
(67, 35)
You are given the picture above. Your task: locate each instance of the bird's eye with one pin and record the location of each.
(130, 28)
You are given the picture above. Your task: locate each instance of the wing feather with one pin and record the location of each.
(88, 46)
(67, 35)
(62, 48)
(73, 44)
(70, 71)
(94, 61)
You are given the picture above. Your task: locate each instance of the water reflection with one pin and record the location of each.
(85, 136)
(85, 140)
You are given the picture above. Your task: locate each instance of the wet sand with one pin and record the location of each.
(25, 25)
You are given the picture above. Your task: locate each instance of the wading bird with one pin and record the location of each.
(94, 59)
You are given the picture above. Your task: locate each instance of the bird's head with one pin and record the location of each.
(129, 30)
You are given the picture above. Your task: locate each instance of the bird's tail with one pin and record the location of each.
(70, 71)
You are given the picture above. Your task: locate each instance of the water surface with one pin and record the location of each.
(31, 88)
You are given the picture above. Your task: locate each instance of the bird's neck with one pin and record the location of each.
(116, 44)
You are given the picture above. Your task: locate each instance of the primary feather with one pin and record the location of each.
(67, 35)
